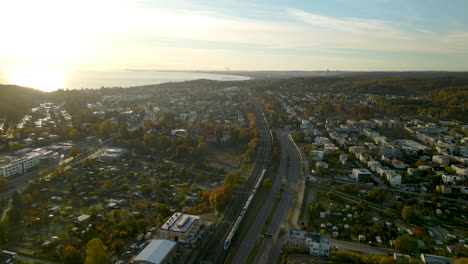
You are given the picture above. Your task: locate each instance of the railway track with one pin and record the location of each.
(213, 252)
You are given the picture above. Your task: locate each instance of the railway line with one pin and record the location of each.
(214, 251)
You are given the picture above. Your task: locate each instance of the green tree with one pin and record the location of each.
(105, 128)
(96, 252)
(407, 244)
(420, 162)
(74, 134)
(200, 177)
(3, 233)
(123, 131)
(71, 255)
(407, 213)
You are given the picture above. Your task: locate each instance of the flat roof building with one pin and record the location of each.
(182, 227)
(158, 251)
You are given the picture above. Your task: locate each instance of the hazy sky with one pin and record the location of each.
(240, 35)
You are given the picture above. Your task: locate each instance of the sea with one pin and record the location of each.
(95, 79)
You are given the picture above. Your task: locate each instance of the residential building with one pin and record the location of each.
(444, 189)
(13, 166)
(394, 179)
(460, 169)
(316, 244)
(442, 160)
(373, 165)
(181, 227)
(361, 175)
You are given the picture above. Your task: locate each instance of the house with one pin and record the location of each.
(451, 249)
(343, 158)
(316, 154)
(444, 189)
(442, 160)
(158, 251)
(181, 227)
(373, 165)
(321, 164)
(316, 244)
(460, 169)
(83, 218)
(450, 178)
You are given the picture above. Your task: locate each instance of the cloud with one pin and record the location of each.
(354, 25)
(124, 31)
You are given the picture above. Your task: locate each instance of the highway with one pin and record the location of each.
(253, 234)
(213, 251)
(270, 250)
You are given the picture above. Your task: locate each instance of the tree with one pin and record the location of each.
(420, 162)
(347, 188)
(123, 131)
(267, 183)
(407, 213)
(200, 177)
(71, 255)
(407, 244)
(105, 128)
(462, 260)
(107, 185)
(3, 233)
(118, 245)
(74, 152)
(3, 183)
(96, 252)
(16, 200)
(386, 260)
(74, 134)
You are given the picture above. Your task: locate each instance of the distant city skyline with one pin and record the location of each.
(364, 35)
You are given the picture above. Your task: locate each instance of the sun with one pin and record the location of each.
(42, 77)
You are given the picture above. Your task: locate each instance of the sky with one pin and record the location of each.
(347, 35)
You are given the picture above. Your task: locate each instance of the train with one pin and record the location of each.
(236, 225)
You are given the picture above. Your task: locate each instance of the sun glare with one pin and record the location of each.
(45, 78)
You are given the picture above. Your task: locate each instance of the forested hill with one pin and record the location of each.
(368, 85)
(15, 100)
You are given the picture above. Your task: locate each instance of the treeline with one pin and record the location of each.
(365, 85)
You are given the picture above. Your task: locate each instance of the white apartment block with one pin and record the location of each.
(394, 179)
(318, 245)
(19, 166)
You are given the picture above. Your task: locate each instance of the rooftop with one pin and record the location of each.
(155, 251)
(179, 222)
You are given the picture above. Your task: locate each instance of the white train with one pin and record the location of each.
(227, 243)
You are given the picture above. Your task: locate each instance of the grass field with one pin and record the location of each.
(224, 156)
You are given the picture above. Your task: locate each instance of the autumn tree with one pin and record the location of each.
(105, 128)
(123, 131)
(462, 260)
(96, 252)
(74, 134)
(71, 255)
